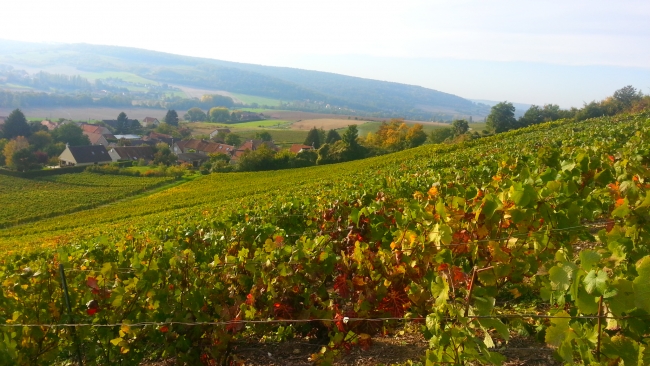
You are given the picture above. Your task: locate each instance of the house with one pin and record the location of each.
(84, 155)
(132, 153)
(219, 131)
(86, 127)
(202, 147)
(252, 145)
(192, 158)
(298, 148)
(160, 137)
(149, 122)
(49, 124)
(96, 139)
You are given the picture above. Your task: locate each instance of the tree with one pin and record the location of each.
(627, 95)
(460, 126)
(332, 136)
(415, 136)
(24, 160)
(122, 123)
(219, 114)
(313, 138)
(350, 136)
(16, 125)
(163, 155)
(71, 134)
(171, 118)
(13, 146)
(502, 117)
(195, 115)
(264, 136)
(3, 143)
(233, 139)
(40, 139)
(36, 126)
(439, 135)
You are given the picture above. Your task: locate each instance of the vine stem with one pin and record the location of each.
(471, 287)
(600, 321)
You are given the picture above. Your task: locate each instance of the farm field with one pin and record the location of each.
(95, 113)
(250, 99)
(540, 232)
(325, 123)
(24, 200)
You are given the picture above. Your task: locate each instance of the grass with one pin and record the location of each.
(479, 126)
(250, 99)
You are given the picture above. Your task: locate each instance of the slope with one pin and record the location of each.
(274, 82)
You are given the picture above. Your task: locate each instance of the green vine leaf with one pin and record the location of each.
(642, 284)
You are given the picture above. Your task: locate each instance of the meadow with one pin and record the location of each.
(540, 232)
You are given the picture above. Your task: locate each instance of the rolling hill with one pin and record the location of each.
(386, 99)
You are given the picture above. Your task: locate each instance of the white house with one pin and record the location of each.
(84, 155)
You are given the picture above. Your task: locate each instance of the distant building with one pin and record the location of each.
(252, 145)
(89, 128)
(219, 131)
(149, 122)
(84, 155)
(131, 153)
(297, 148)
(202, 147)
(192, 158)
(96, 139)
(49, 124)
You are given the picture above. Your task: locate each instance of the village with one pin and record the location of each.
(141, 145)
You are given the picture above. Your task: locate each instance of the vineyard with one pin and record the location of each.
(539, 232)
(24, 200)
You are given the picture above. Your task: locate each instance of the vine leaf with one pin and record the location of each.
(559, 278)
(624, 299)
(596, 281)
(589, 258)
(621, 347)
(641, 287)
(557, 332)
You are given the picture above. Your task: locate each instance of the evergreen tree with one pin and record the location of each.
(122, 123)
(313, 138)
(16, 125)
(332, 136)
(171, 118)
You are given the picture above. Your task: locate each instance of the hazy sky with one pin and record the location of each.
(563, 52)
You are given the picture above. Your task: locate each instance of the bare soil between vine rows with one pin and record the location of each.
(389, 350)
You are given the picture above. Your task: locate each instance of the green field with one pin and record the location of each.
(537, 235)
(283, 137)
(250, 99)
(24, 200)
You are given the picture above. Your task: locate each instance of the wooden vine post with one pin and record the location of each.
(64, 285)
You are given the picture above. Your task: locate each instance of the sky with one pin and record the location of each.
(565, 52)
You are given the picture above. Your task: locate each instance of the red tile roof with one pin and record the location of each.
(206, 147)
(296, 148)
